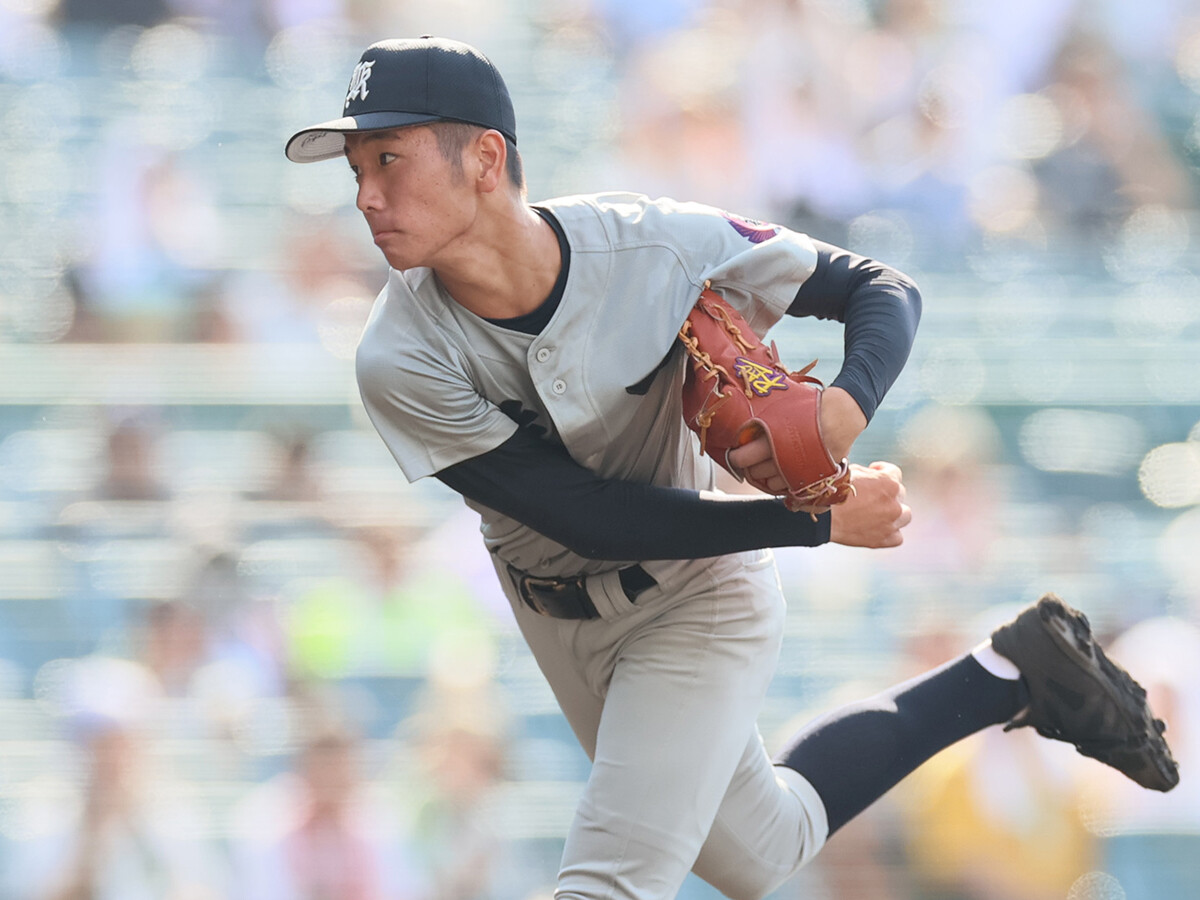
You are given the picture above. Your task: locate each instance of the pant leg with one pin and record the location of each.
(682, 680)
(771, 822)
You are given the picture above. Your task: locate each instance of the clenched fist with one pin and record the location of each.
(875, 511)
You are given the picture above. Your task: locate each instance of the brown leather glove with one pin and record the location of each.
(735, 389)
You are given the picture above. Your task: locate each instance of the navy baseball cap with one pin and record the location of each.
(409, 81)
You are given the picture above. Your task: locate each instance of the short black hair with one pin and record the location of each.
(453, 137)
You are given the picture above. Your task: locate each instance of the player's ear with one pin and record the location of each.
(491, 156)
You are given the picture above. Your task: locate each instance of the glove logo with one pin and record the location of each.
(759, 378)
(751, 229)
(358, 81)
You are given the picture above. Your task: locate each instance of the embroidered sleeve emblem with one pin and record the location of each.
(358, 81)
(759, 378)
(751, 229)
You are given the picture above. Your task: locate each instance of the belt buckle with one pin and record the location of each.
(533, 588)
(556, 585)
(531, 585)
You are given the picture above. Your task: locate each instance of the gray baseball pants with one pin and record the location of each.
(664, 695)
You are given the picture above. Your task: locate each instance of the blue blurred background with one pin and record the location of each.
(241, 658)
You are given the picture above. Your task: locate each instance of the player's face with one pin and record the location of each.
(417, 206)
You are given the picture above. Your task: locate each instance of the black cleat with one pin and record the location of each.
(1078, 695)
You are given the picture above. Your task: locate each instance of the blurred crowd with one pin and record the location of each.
(941, 135)
(240, 658)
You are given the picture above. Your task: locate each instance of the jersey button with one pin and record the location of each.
(559, 386)
(543, 354)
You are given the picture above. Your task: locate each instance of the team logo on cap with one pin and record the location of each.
(751, 229)
(358, 81)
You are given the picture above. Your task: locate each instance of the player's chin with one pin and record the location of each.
(394, 251)
(398, 259)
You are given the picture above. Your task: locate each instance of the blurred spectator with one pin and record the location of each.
(123, 833)
(294, 480)
(922, 197)
(949, 456)
(209, 321)
(214, 653)
(111, 13)
(389, 615)
(215, 586)
(244, 637)
(800, 118)
(1149, 842)
(915, 139)
(289, 301)
(460, 735)
(995, 818)
(158, 234)
(245, 26)
(88, 324)
(630, 24)
(173, 645)
(680, 131)
(130, 463)
(1112, 156)
(316, 833)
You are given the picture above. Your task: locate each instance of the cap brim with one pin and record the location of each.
(327, 140)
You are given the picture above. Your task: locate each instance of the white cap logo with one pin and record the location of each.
(358, 81)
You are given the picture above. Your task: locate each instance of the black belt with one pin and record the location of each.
(567, 598)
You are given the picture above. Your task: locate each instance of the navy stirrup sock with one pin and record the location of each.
(856, 754)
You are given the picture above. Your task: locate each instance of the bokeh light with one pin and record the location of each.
(309, 57)
(1187, 60)
(1003, 198)
(1069, 440)
(953, 373)
(1177, 551)
(1169, 475)
(169, 53)
(1153, 238)
(1030, 126)
(1161, 307)
(32, 51)
(1096, 886)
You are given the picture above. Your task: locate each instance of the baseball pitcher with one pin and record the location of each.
(577, 369)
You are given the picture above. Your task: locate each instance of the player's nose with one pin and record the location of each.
(369, 196)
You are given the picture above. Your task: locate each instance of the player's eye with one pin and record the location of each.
(385, 158)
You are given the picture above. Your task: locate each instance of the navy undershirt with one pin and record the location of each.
(534, 322)
(537, 482)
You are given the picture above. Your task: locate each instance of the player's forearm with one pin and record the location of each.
(650, 522)
(540, 486)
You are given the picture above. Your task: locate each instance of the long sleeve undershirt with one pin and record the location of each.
(880, 308)
(538, 484)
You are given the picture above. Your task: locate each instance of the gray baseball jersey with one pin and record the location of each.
(443, 385)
